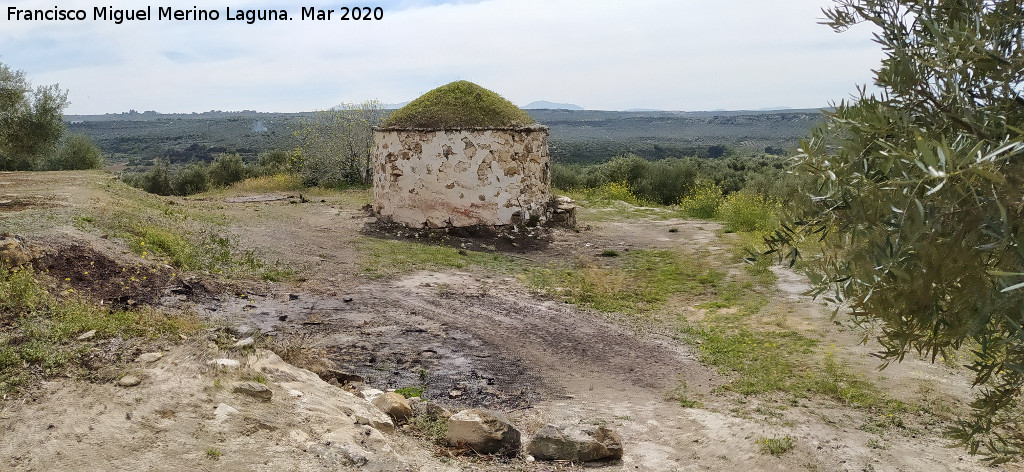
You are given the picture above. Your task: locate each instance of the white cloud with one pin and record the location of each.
(669, 54)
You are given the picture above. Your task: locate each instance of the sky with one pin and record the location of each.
(685, 55)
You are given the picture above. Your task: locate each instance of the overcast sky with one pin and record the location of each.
(606, 55)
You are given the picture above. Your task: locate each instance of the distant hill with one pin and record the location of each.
(386, 106)
(584, 136)
(543, 105)
(590, 136)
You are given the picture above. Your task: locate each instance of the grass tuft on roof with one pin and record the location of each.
(460, 104)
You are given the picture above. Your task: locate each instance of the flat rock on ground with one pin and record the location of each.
(575, 443)
(484, 432)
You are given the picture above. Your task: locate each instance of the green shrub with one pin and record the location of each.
(567, 177)
(76, 152)
(703, 200)
(192, 180)
(226, 170)
(272, 163)
(158, 179)
(746, 211)
(665, 181)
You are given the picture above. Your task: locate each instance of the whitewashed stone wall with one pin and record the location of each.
(461, 177)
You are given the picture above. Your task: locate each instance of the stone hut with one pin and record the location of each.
(461, 155)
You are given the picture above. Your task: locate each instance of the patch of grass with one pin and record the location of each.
(682, 395)
(616, 201)
(609, 253)
(213, 453)
(614, 191)
(159, 228)
(782, 360)
(748, 249)
(459, 104)
(269, 183)
(41, 329)
(411, 391)
(259, 378)
(433, 428)
(776, 446)
(387, 258)
(638, 283)
(837, 382)
(764, 362)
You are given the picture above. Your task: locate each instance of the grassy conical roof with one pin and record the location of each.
(460, 104)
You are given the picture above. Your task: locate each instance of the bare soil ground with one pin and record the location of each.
(469, 336)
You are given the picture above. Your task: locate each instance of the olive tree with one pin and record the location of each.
(75, 152)
(336, 146)
(919, 198)
(31, 121)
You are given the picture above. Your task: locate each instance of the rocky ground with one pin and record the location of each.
(469, 337)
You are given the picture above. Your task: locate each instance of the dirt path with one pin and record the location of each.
(475, 340)
(479, 339)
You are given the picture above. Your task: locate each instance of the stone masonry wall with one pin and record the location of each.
(461, 177)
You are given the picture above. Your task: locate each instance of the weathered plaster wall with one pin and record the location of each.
(461, 177)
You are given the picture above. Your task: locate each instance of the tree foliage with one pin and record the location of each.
(31, 121)
(76, 152)
(668, 181)
(226, 170)
(336, 146)
(158, 179)
(919, 198)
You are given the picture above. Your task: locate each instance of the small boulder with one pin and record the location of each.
(242, 330)
(223, 411)
(87, 335)
(129, 380)
(254, 389)
(394, 404)
(381, 423)
(225, 363)
(483, 431)
(576, 443)
(370, 393)
(249, 341)
(150, 357)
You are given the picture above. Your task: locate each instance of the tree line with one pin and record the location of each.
(33, 135)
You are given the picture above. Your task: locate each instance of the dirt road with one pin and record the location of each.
(472, 337)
